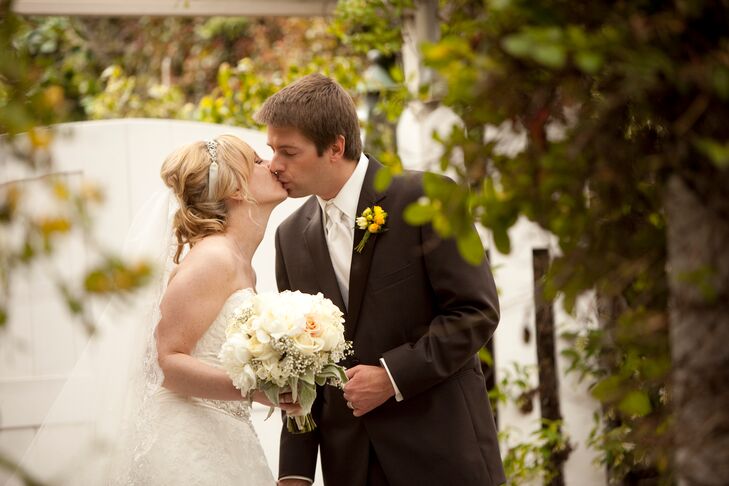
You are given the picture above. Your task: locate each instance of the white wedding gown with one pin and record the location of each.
(199, 441)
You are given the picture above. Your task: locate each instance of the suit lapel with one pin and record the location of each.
(323, 269)
(360, 269)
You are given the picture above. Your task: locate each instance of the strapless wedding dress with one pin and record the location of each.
(199, 441)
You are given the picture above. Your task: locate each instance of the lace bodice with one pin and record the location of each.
(208, 346)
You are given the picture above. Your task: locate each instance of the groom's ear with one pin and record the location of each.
(337, 148)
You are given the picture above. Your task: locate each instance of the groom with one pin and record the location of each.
(415, 410)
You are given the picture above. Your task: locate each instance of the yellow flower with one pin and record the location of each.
(372, 221)
(49, 225)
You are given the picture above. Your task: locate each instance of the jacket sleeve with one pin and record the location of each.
(467, 318)
(297, 452)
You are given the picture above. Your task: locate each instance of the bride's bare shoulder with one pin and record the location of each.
(209, 261)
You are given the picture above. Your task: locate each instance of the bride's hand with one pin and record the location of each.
(285, 402)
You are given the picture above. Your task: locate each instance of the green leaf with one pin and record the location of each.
(333, 371)
(417, 214)
(271, 391)
(501, 239)
(308, 377)
(589, 61)
(383, 178)
(442, 225)
(636, 403)
(607, 389)
(307, 395)
(720, 81)
(498, 4)
(486, 357)
(438, 187)
(470, 246)
(518, 45)
(74, 305)
(550, 55)
(715, 151)
(27, 253)
(294, 384)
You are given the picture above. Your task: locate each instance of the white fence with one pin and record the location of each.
(124, 156)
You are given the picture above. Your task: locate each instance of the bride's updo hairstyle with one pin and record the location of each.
(203, 175)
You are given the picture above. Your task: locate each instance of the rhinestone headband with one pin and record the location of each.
(213, 170)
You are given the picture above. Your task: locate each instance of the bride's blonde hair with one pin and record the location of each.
(202, 209)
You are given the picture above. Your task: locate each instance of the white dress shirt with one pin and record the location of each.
(346, 201)
(340, 249)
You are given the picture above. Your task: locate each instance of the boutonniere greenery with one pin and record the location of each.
(372, 221)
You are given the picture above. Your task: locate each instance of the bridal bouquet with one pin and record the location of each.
(278, 342)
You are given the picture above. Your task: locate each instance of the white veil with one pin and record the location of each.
(97, 428)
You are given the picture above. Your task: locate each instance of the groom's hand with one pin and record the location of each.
(368, 388)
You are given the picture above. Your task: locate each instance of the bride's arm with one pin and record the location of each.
(191, 302)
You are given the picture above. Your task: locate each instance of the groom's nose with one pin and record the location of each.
(273, 166)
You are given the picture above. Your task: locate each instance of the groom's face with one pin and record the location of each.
(300, 169)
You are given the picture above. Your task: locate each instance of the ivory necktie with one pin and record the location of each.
(340, 238)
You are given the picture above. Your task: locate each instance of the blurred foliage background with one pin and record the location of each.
(213, 69)
(624, 107)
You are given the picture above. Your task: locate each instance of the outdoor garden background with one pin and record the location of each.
(589, 141)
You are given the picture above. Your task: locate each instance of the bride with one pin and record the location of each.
(164, 410)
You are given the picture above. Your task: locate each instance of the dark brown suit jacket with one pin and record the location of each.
(416, 303)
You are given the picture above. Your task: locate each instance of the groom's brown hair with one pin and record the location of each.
(319, 108)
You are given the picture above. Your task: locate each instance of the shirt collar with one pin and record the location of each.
(348, 196)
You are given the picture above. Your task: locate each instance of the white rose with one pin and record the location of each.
(245, 380)
(332, 337)
(278, 324)
(259, 350)
(235, 350)
(308, 344)
(239, 370)
(239, 343)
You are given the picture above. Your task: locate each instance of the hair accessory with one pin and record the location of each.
(213, 170)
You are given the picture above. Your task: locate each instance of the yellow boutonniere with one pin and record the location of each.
(372, 221)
